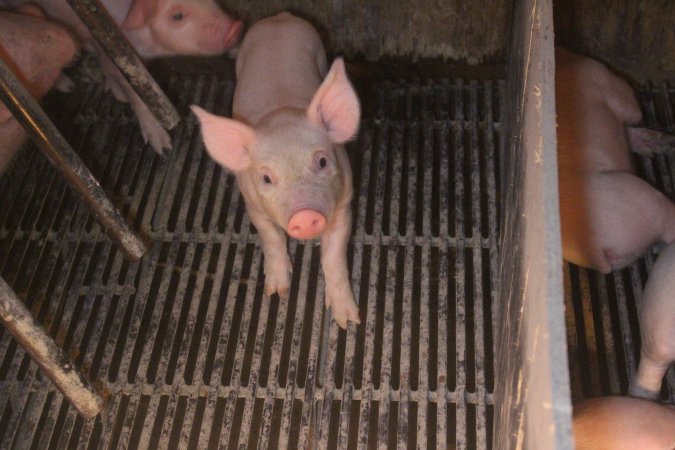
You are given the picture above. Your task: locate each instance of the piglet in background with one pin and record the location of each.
(175, 27)
(657, 327)
(285, 146)
(155, 28)
(609, 217)
(36, 50)
(623, 423)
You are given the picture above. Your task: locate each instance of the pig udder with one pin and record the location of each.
(180, 27)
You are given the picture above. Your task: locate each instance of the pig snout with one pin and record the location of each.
(306, 224)
(220, 35)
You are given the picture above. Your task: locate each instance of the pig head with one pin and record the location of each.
(36, 50)
(609, 217)
(290, 163)
(177, 27)
(623, 423)
(285, 147)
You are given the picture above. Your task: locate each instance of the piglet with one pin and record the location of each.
(657, 327)
(36, 50)
(623, 423)
(155, 28)
(609, 217)
(285, 146)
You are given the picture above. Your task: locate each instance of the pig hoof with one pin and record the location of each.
(64, 84)
(116, 91)
(346, 312)
(635, 390)
(278, 279)
(343, 307)
(271, 289)
(157, 136)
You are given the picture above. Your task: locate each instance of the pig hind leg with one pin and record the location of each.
(629, 216)
(657, 328)
(151, 130)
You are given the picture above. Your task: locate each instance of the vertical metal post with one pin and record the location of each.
(108, 35)
(50, 357)
(31, 116)
(533, 408)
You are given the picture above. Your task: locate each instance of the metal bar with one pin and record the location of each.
(108, 35)
(53, 360)
(26, 110)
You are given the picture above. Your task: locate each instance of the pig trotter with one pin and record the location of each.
(64, 84)
(648, 378)
(116, 90)
(650, 142)
(153, 133)
(341, 302)
(278, 275)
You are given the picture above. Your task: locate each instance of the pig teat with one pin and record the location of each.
(306, 224)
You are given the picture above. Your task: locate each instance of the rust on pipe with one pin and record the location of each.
(50, 357)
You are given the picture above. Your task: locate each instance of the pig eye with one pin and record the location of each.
(178, 16)
(321, 161)
(267, 179)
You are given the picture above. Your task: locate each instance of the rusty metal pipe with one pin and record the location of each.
(50, 357)
(108, 35)
(43, 132)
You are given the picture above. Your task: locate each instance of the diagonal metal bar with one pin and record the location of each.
(42, 130)
(108, 35)
(51, 358)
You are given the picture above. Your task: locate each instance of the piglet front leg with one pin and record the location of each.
(339, 295)
(278, 267)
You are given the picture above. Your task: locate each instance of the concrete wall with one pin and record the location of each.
(636, 37)
(470, 31)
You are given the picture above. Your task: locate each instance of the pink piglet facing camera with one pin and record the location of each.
(285, 145)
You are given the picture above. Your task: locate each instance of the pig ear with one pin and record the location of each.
(227, 141)
(335, 105)
(139, 14)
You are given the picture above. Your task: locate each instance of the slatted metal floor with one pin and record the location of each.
(187, 348)
(603, 330)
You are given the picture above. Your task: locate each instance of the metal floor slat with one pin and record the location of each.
(184, 343)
